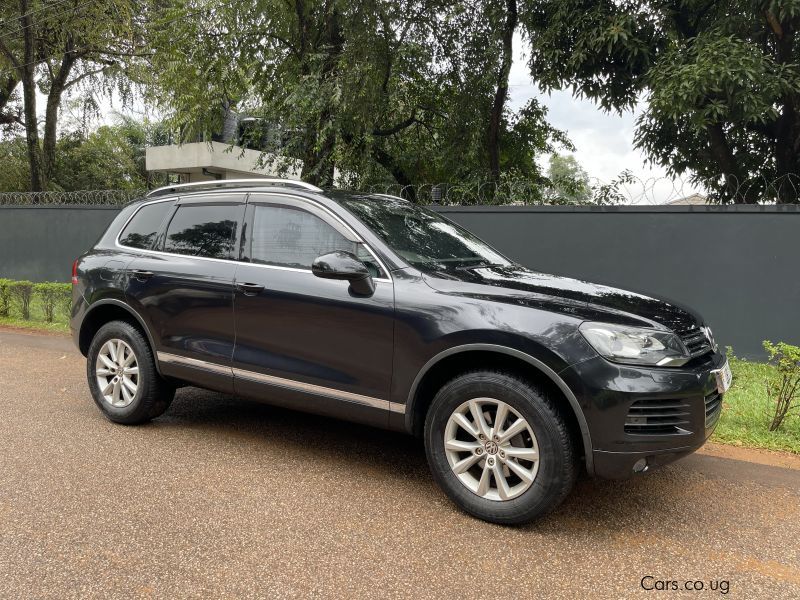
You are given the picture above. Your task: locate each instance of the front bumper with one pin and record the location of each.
(654, 415)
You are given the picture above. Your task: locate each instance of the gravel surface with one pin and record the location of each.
(226, 498)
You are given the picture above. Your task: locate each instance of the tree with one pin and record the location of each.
(110, 158)
(372, 90)
(569, 183)
(60, 45)
(720, 78)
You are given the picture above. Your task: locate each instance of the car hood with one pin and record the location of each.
(583, 299)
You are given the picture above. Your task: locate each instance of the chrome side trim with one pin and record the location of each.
(194, 362)
(300, 386)
(312, 389)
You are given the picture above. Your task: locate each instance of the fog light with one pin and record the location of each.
(640, 466)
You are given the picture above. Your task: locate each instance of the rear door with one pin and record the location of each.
(183, 288)
(303, 341)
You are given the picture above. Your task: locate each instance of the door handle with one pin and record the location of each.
(142, 275)
(250, 289)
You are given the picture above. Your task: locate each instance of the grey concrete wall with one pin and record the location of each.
(41, 242)
(735, 265)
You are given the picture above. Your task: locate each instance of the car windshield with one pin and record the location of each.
(422, 237)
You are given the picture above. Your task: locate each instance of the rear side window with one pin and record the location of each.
(203, 230)
(143, 227)
(290, 237)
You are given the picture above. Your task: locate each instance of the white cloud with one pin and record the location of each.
(603, 141)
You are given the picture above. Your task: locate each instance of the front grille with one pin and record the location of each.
(713, 408)
(657, 417)
(695, 341)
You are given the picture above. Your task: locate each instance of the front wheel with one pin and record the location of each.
(499, 448)
(122, 375)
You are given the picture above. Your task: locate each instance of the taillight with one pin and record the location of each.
(75, 272)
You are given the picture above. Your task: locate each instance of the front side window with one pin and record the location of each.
(422, 237)
(203, 230)
(291, 237)
(142, 229)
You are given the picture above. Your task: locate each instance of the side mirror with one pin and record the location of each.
(345, 265)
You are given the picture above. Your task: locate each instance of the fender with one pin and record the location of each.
(134, 314)
(534, 362)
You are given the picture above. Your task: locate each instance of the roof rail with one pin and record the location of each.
(222, 183)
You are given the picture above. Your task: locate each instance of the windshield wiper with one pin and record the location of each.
(481, 265)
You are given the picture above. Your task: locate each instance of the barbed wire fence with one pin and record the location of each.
(626, 190)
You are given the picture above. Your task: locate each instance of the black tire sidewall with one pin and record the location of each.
(555, 454)
(138, 410)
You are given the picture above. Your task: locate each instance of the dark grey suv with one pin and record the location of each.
(372, 309)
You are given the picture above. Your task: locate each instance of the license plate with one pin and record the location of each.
(724, 377)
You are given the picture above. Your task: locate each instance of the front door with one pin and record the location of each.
(302, 341)
(183, 288)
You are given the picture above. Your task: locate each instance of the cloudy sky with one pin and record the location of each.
(603, 141)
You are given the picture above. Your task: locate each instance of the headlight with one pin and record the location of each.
(636, 345)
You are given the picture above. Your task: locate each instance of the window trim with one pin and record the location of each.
(290, 204)
(308, 201)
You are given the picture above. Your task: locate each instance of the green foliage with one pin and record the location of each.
(110, 158)
(21, 294)
(747, 411)
(783, 391)
(52, 297)
(569, 183)
(721, 81)
(5, 296)
(381, 91)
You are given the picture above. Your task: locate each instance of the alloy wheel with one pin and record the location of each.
(117, 371)
(491, 448)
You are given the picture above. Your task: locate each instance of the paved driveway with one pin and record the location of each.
(227, 498)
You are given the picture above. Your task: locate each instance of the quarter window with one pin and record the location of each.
(203, 230)
(144, 226)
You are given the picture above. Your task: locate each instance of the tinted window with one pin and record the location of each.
(422, 237)
(142, 229)
(290, 237)
(202, 230)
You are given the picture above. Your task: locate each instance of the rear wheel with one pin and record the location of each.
(122, 375)
(499, 448)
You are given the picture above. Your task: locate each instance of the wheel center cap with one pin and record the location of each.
(491, 447)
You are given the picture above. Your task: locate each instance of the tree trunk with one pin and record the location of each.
(318, 164)
(787, 129)
(7, 87)
(57, 86)
(722, 153)
(388, 162)
(501, 93)
(27, 70)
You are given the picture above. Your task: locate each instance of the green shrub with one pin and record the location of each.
(5, 297)
(786, 389)
(21, 293)
(65, 298)
(51, 296)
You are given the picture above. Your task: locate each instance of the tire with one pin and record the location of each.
(150, 396)
(531, 492)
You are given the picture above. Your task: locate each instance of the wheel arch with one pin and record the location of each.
(104, 311)
(417, 404)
